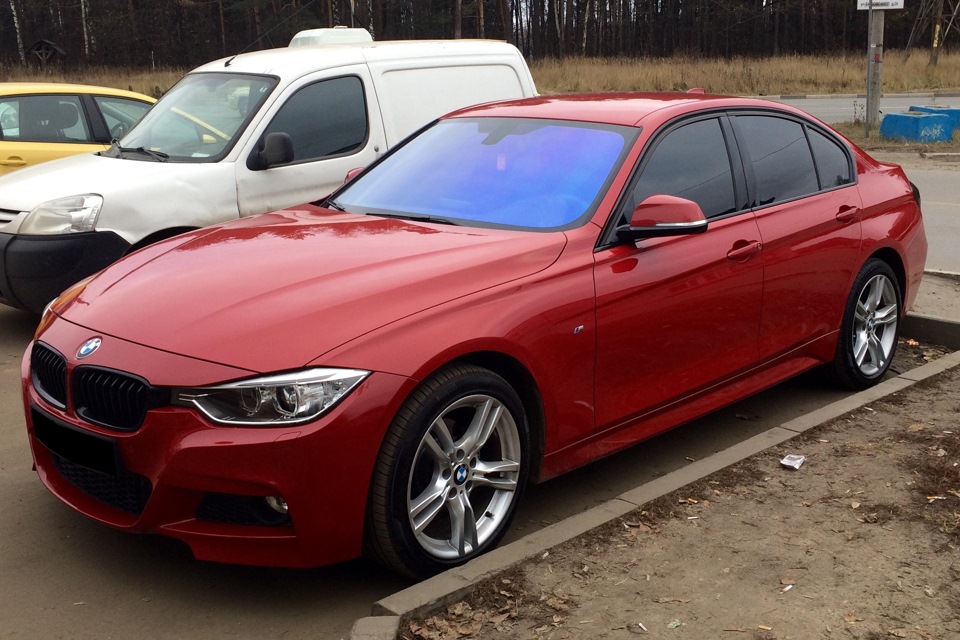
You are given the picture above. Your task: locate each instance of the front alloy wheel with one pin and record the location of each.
(450, 472)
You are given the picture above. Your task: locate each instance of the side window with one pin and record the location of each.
(780, 156)
(54, 118)
(690, 162)
(120, 114)
(327, 118)
(10, 119)
(833, 165)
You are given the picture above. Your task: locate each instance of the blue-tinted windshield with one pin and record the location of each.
(495, 171)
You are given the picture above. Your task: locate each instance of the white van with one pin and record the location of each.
(243, 135)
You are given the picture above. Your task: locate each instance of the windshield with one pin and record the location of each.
(199, 118)
(510, 172)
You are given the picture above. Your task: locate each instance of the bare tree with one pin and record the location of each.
(16, 28)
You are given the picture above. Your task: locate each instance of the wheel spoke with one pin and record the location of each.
(886, 315)
(484, 422)
(483, 471)
(439, 442)
(860, 315)
(463, 525)
(425, 507)
(875, 294)
(860, 347)
(876, 352)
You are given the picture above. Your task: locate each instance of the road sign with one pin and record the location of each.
(879, 5)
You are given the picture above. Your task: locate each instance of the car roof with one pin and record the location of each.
(627, 109)
(289, 63)
(33, 88)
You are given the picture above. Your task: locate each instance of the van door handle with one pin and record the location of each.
(13, 161)
(846, 213)
(743, 250)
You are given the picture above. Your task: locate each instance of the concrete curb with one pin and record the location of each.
(450, 586)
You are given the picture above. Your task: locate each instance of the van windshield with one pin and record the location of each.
(198, 119)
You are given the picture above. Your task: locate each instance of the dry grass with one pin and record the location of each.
(785, 75)
(153, 82)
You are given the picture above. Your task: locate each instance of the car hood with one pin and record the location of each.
(278, 290)
(24, 189)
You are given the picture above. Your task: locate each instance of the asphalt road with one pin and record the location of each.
(62, 576)
(843, 109)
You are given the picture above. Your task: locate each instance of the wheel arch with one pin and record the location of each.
(895, 262)
(521, 379)
(157, 236)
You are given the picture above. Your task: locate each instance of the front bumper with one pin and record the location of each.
(180, 476)
(36, 269)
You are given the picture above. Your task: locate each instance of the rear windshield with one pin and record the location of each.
(500, 172)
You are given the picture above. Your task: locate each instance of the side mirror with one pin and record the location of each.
(353, 173)
(661, 215)
(274, 149)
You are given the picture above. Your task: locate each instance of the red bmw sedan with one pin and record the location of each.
(517, 290)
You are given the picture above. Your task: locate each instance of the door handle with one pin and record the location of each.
(743, 250)
(13, 161)
(846, 213)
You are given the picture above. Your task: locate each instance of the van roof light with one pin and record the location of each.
(336, 35)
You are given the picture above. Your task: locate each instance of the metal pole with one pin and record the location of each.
(867, 116)
(875, 82)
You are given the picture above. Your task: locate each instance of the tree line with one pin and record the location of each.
(185, 33)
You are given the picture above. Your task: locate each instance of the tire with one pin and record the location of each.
(446, 484)
(870, 327)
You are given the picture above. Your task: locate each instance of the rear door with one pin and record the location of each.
(37, 128)
(803, 190)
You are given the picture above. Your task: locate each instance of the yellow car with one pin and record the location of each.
(43, 121)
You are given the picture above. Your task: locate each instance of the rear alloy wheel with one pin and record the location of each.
(871, 323)
(450, 472)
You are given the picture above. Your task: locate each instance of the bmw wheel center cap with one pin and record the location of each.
(460, 475)
(88, 347)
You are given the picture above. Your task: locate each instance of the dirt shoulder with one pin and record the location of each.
(862, 541)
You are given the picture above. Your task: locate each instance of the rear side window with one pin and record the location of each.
(327, 118)
(780, 157)
(689, 162)
(833, 165)
(45, 118)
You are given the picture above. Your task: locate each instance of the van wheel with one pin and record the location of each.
(449, 474)
(870, 327)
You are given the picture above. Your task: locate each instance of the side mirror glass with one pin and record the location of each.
(662, 215)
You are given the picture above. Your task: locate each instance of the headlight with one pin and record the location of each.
(73, 214)
(278, 400)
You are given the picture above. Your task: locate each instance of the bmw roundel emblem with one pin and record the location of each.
(88, 347)
(460, 475)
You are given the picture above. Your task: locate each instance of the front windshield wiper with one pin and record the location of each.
(411, 216)
(332, 204)
(117, 151)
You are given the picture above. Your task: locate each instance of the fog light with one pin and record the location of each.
(278, 504)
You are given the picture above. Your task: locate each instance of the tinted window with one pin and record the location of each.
(690, 162)
(324, 119)
(832, 163)
(533, 174)
(780, 156)
(55, 118)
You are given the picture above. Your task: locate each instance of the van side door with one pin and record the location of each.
(334, 124)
